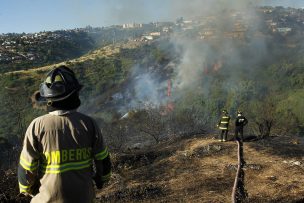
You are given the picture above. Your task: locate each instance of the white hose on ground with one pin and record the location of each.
(238, 192)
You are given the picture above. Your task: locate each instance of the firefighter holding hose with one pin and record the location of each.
(223, 125)
(64, 150)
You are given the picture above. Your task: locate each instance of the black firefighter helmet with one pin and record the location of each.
(60, 83)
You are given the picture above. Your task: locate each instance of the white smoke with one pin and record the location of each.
(145, 90)
(224, 53)
(200, 59)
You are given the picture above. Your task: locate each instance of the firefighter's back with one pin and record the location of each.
(60, 147)
(66, 150)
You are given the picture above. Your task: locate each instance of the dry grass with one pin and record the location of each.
(106, 51)
(279, 179)
(203, 170)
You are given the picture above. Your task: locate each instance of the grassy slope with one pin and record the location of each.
(106, 51)
(203, 170)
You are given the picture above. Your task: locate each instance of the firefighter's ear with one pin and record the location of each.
(38, 102)
(36, 96)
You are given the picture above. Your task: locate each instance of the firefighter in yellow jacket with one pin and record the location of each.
(63, 151)
(223, 125)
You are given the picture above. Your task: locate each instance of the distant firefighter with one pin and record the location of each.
(223, 125)
(240, 122)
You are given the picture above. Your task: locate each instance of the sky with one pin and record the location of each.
(47, 15)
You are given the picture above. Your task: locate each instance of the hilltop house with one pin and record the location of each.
(132, 25)
(284, 30)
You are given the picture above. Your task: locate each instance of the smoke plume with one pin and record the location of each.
(230, 49)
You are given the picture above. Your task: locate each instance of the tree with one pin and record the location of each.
(152, 123)
(263, 115)
(188, 121)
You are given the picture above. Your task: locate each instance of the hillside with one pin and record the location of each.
(95, 70)
(191, 68)
(106, 51)
(30, 50)
(20, 51)
(167, 93)
(200, 169)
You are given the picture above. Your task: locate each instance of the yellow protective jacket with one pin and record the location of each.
(223, 124)
(59, 151)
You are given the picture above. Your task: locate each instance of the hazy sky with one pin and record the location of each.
(39, 15)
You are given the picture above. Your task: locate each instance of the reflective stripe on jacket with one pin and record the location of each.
(59, 151)
(224, 122)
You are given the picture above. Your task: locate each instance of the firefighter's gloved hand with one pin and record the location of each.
(98, 182)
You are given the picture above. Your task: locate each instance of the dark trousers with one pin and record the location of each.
(239, 129)
(223, 135)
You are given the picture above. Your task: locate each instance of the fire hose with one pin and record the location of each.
(238, 191)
